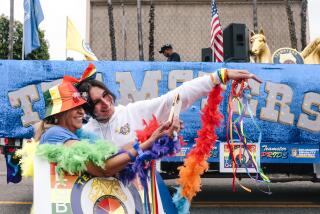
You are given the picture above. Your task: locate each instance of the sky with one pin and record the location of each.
(54, 23)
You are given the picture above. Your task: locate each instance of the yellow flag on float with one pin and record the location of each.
(76, 43)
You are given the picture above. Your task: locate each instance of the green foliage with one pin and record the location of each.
(41, 53)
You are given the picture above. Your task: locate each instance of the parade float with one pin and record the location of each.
(270, 133)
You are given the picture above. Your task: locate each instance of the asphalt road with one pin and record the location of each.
(293, 197)
(216, 197)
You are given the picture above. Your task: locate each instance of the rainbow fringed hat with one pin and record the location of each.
(65, 96)
(61, 98)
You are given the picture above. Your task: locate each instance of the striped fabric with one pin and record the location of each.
(216, 37)
(61, 98)
(154, 192)
(89, 73)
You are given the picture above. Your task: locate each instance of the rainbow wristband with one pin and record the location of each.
(220, 76)
(224, 75)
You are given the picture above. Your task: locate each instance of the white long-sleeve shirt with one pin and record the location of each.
(121, 127)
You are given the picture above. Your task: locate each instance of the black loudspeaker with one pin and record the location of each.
(206, 55)
(236, 43)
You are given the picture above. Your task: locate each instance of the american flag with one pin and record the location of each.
(216, 37)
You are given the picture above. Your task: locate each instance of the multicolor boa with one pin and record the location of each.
(163, 146)
(195, 164)
(73, 159)
(70, 159)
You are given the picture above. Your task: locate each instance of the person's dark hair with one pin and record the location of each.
(85, 86)
(165, 47)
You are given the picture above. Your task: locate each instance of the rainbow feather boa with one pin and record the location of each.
(195, 164)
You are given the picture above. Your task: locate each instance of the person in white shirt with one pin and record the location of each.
(119, 123)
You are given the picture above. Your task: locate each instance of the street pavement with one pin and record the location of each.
(216, 197)
(292, 197)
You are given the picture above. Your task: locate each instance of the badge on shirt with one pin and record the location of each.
(124, 130)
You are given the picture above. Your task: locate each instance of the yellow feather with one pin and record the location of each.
(27, 154)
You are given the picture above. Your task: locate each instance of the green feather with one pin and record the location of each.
(73, 159)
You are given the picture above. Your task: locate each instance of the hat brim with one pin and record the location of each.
(61, 98)
(67, 105)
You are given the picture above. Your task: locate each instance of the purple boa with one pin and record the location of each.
(163, 146)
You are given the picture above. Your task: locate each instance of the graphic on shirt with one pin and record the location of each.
(124, 130)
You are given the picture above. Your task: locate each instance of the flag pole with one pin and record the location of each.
(22, 51)
(24, 23)
(10, 55)
(66, 37)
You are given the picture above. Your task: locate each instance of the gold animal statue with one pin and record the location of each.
(311, 53)
(259, 48)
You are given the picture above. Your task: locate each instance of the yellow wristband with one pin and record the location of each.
(224, 75)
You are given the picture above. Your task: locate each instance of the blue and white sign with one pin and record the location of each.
(285, 106)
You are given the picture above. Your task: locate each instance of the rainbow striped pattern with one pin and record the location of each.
(89, 73)
(61, 98)
(154, 196)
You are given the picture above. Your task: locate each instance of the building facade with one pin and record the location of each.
(183, 23)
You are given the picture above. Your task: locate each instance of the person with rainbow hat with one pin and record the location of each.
(64, 116)
(60, 140)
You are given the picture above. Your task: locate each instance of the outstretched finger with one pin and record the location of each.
(251, 76)
(254, 77)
